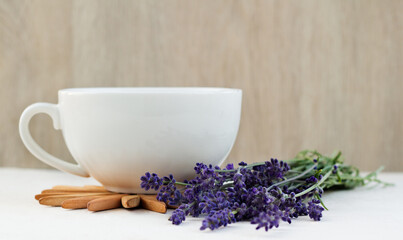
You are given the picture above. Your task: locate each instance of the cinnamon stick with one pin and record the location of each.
(151, 203)
(57, 200)
(39, 196)
(79, 202)
(105, 203)
(130, 201)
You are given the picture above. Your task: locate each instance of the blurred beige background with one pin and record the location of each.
(318, 74)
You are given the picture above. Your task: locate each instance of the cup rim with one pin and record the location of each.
(150, 90)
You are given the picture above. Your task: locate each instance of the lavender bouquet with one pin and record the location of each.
(263, 193)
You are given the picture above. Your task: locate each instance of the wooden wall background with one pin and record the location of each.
(324, 74)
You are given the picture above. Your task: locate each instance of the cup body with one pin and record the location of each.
(118, 134)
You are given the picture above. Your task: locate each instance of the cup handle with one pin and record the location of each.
(53, 111)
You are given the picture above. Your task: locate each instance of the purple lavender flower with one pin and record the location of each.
(217, 219)
(175, 199)
(264, 193)
(311, 179)
(334, 169)
(299, 209)
(204, 171)
(214, 202)
(242, 164)
(276, 169)
(178, 216)
(230, 166)
(150, 181)
(314, 210)
(267, 220)
(168, 192)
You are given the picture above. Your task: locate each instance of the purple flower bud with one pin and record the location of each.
(314, 210)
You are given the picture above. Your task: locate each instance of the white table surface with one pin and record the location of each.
(365, 213)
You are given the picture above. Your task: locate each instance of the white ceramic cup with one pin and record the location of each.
(118, 134)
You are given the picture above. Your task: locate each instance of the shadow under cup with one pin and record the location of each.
(118, 134)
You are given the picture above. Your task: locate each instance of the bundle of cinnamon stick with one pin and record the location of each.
(96, 198)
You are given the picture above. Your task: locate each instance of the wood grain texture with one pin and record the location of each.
(315, 74)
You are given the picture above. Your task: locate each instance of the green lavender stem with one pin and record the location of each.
(293, 178)
(315, 185)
